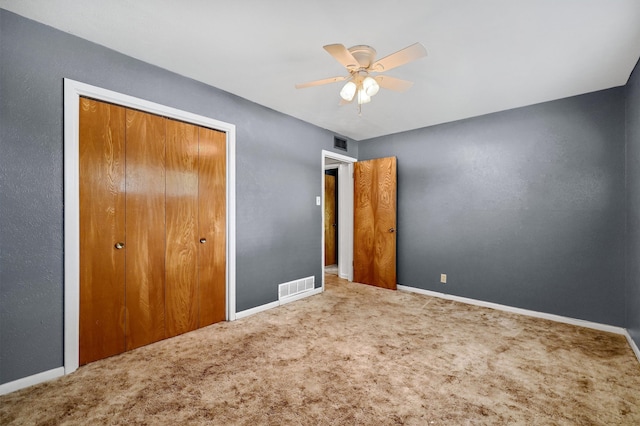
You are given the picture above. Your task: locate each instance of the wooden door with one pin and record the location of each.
(330, 220)
(145, 228)
(182, 310)
(212, 225)
(102, 225)
(374, 237)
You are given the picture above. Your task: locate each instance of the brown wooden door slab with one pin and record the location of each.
(145, 228)
(182, 313)
(329, 220)
(102, 174)
(374, 237)
(212, 225)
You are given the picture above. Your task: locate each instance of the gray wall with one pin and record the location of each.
(278, 178)
(524, 208)
(632, 295)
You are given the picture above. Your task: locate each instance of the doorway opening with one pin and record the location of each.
(340, 166)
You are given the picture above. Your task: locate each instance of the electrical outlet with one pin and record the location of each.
(443, 278)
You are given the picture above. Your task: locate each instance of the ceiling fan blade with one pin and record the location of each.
(320, 82)
(342, 55)
(393, 83)
(401, 57)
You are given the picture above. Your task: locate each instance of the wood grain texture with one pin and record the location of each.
(212, 224)
(374, 246)
(145, 228)
(182, 293)
(102, 204)
(329, 220)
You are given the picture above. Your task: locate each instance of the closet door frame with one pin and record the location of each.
(73, 90)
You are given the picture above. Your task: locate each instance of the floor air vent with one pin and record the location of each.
(295, 287)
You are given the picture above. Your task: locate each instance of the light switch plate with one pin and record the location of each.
(318, 201)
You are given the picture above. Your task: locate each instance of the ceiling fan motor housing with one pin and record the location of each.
(365, 55)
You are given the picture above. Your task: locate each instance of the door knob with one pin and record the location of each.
(203, 240)
(392, 230)
(119, 245)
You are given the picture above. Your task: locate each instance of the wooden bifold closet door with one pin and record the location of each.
(152, 228)
(182, 228)
(102, 199)
(144, 229)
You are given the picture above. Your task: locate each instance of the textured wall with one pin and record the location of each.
(523, 207)
(632, 296)
(278, 177)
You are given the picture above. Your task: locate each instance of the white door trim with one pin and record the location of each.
(72, 92)
(345, 213)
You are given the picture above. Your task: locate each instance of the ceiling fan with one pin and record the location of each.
(360, 62)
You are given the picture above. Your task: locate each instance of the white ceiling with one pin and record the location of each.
(484, 56)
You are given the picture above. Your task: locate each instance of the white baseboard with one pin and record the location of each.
(25, 382)
(267, 306)
(253, 311)
(633, 345)
(543, 315)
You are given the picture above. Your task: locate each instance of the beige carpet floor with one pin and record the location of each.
(354, 355)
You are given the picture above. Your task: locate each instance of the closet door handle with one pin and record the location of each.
(203, 240)
(119, 245)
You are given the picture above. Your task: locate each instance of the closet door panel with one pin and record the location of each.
(212, 225)
(102, 225)
(145, 228)
(182, 228)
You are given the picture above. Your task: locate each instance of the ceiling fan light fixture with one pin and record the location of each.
(348, 91)
(370, 86)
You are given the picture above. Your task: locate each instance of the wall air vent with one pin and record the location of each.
(339, 143)
(295, 287)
